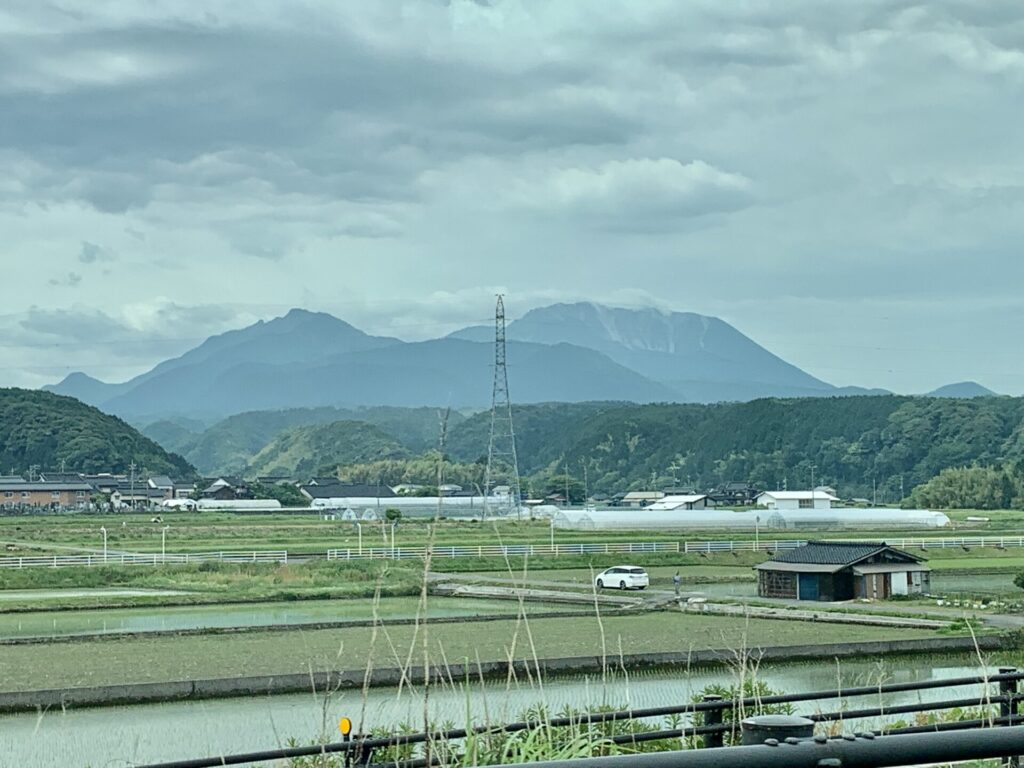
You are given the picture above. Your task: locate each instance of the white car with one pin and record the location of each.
(623, 577)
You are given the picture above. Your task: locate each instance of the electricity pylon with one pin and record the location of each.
(502, 462)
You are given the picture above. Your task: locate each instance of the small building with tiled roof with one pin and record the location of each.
(834, 570)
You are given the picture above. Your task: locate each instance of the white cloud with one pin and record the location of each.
(640, 193)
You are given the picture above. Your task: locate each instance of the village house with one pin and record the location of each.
(831, 571)
(790, 500)
(639, 499)
(20, 493)
(680, 501)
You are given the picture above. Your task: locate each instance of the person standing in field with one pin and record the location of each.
(677, 580)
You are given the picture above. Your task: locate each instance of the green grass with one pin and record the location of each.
(219, 582)
(661, 576)
(978, 562)
(88, 663)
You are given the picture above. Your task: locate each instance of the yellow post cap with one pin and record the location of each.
(345, 726)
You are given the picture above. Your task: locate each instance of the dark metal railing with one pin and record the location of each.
(863, 751)
(360, 749)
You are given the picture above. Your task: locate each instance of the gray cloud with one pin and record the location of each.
(90, 253)
(394, 162)
(70, 280)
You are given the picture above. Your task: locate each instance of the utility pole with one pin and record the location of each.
(813, 467)
(132, 467)
(586, 483)
(440, 458)
(501, 447)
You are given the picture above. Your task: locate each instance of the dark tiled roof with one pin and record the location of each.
(829, 553)
(62, 487)
(60, 477)
(341, 491)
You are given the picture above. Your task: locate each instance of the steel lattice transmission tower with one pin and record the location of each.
(502, 463)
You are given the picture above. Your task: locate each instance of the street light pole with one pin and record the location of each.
(103, 530)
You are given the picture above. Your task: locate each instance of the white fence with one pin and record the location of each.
(134, 558)
(682, 547)
(494, 550)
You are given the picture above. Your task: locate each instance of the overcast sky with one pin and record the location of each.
(842, 181)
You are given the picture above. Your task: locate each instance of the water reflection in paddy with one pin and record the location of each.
(103, 621)
(125, 735)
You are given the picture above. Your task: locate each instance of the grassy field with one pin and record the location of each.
(318, 579)
(88, 663)
(217, 582)
(661, 575)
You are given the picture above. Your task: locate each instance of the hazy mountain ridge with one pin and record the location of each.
(565, 352)
(963, 390)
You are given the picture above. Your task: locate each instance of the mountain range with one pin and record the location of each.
(564, 352)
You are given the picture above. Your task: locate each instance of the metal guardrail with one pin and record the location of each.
(359, 750)
(863, 751)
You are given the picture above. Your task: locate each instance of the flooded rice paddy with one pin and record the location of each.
(165, 618)
(123, 736)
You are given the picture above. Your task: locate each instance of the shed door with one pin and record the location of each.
(808, 586)
(899, 583)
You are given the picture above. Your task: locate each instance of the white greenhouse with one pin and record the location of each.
(699, 519)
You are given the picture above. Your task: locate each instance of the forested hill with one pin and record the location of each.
(304, 450)
(852, 441)
(891, 441)
(43, 430)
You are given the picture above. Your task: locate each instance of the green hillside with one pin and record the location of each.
(46, 431)
(853, 442)
(884, 445)
(171, 435)
(309, 450)
(230, 445)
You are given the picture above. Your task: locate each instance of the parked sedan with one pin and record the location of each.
(623, 577)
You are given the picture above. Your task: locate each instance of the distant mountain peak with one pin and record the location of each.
(963, 390)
